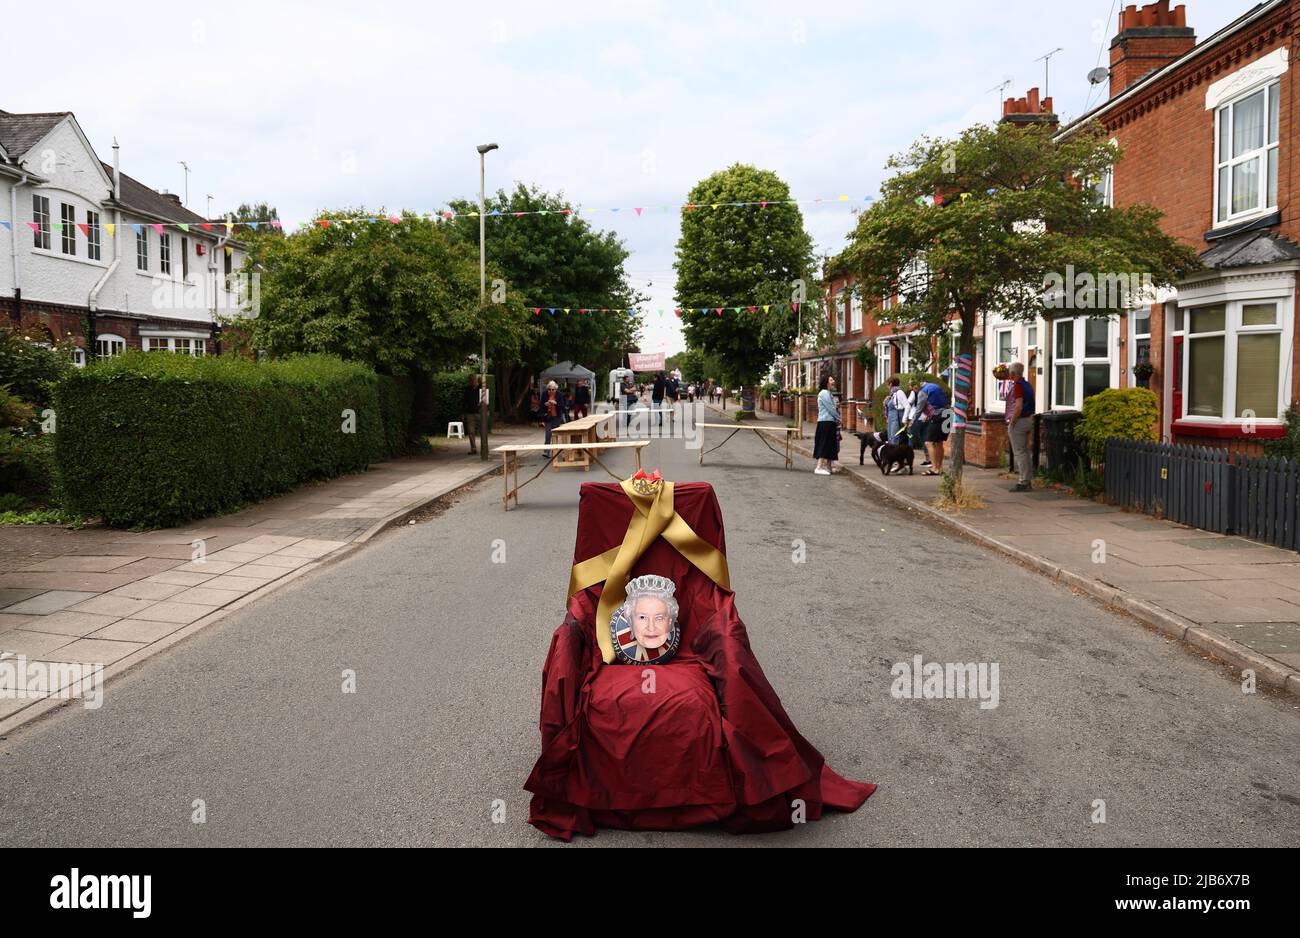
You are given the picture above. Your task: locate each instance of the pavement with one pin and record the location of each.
(97, 595)
(1234, 598)
(391, 697)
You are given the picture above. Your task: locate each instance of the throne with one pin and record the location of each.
(700, 739)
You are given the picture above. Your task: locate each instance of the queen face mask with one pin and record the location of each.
(645, 628)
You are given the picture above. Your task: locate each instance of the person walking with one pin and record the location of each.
(469, 412)
(826, 444)
(630, 397)
(581, 400)
(1020, 423)
(554, 406)
(895, 408)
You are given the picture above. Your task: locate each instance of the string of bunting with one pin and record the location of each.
(448, 215)
(679, 312)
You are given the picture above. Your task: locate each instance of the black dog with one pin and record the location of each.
(873, 440)
(893, 455)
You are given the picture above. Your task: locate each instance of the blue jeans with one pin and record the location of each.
(551, 424)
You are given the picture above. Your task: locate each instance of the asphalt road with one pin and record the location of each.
(447, 647)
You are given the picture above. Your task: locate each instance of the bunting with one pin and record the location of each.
(680, 312)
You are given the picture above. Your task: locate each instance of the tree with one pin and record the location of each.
(731, 255)
(985, 222)
(553, 259)
(399, 297)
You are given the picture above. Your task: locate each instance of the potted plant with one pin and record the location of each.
(1143, 371)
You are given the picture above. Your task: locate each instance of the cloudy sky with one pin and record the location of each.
(323, 104)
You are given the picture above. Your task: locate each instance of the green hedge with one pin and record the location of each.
(1124, 413)
(396, 399)
(157, 440)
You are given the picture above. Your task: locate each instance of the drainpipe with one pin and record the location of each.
(93, 300)
(13, 247)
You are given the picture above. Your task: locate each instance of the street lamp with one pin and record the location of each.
(483, 150)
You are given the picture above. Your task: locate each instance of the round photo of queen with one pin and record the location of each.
(645, 627)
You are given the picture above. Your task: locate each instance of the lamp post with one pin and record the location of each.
(483, 151)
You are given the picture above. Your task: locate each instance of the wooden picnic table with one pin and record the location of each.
(583, 430)
(757, 428)
(510, 460)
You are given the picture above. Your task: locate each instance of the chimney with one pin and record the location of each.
(117, 173)
(170, 197)
(1029, 110)
(1148, 39)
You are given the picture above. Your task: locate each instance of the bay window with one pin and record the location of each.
(1235, 363)
(1246, 154)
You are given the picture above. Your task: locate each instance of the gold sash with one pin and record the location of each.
(654, 517)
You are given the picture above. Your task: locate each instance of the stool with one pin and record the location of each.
(457, 429)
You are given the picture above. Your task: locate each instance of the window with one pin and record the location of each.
(229, 252)
(1082, 361)
(1235, 366)
(1103, 188)
(1032, 337)
(1140, 337)
(68, 230)
(165, 253)
(141, 248)
(887, 303)
(855, 311)
(93, 236)
(839, 307)
(1246, 149)
(106, 346)
(1005, 349)
(180, 344)
(41, 219)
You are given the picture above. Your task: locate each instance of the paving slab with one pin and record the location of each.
(92, 651)
(49, 602)
(70, 623)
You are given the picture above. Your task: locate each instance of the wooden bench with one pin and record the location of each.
(583, 430)
(510, 460)
(756, 428)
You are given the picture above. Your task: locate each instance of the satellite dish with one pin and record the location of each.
(1098, 75)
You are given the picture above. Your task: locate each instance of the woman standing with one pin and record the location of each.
(826, 445)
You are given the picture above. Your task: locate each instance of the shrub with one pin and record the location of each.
(156, 440)
(27, 471)
(396, 399)
(1288, 446)
(1123, 413)
(31, 370)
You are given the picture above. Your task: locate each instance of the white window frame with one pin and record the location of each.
(1134, 337)
(41, 216)
(142, 249)
(1271, 90)
(108, 345)
(839, 311)
(68, 229)
(180, 344)
(165, 254)
(855, 311)
(1232, 330)
(94, 238)
(1079, 357)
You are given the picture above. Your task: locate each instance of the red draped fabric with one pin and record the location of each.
(708, 741)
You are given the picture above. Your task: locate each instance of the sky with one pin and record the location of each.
(319, 105)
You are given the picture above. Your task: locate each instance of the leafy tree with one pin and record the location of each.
(731, 255)
(553, 259)
(399, 297)
(983, 222)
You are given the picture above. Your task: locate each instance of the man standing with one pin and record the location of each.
(936, 431)
(1020, 423)
(657, 396)
(581, 400)
(469, 412)
(895, 408)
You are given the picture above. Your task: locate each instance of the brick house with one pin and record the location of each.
(1208, 139)
(98, 259)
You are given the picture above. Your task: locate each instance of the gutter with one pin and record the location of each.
(13, 245)
(93, 300)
